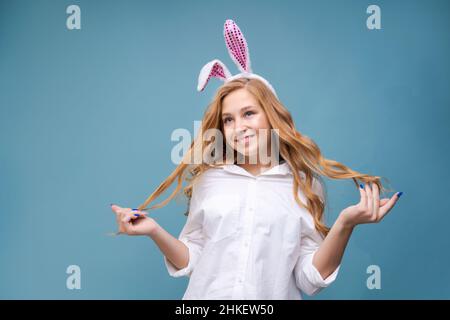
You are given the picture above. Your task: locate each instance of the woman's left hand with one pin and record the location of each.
(370, 209)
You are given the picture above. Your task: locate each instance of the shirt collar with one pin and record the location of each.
(280, 169)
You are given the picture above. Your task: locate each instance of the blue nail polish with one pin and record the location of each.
(399, 194)
(135, 209)
(136, 215)
(361, 186)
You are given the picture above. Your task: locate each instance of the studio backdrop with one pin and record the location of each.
(91, 93)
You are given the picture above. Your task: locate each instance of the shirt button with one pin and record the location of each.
(240, 280)
(246, 244)
(251, 209)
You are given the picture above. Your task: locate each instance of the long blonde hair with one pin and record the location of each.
(299, 151)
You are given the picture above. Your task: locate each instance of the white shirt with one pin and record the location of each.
(248, 238)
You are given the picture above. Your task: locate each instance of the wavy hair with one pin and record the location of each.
(299, 151)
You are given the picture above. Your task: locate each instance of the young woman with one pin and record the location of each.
(254, 229)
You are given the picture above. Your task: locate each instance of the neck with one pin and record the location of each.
(258, 167)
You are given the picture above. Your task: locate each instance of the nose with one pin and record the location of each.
(240, 129)
(240, 125)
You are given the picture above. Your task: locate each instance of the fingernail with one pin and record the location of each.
(361, 186)
(136, 215)
(135, 209)
(399, 194)
(111, 204)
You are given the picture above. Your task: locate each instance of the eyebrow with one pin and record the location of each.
(242, 110)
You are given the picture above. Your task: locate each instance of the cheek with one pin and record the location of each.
(264, 136)
(261, 122)
(227, 133)
(262, 127)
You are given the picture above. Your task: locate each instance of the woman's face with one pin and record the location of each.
(242, 119)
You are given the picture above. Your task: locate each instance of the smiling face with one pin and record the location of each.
(242, 119)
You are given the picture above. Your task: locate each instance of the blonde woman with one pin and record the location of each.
(254, 228)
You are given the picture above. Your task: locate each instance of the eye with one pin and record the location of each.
(225, 120)
(249, 113)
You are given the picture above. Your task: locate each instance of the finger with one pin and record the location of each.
(123, 212)
(125, 227)
(121, 226)
(115, 208)
(136, 214)
(382, 203)
(140, 213)
(120, 212)
(369, 198)
(362, 192)
(128, 216)
(376, 200)
(384, 210)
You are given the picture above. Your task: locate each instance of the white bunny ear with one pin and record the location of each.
(237, 46)
(214, 68)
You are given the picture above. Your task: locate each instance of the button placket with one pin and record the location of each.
(249, 227)
(246, 232)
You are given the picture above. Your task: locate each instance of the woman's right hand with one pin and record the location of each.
(133, 223)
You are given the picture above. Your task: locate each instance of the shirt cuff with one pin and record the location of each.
(315, 277)
(174, 271)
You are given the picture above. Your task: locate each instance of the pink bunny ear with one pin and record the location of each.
(237, 46)
(214, 68)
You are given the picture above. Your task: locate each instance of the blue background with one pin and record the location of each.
(86, 118)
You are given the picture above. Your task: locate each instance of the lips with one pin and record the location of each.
(244, 138)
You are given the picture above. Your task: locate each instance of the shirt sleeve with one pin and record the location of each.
(307, 277)
(192, 236)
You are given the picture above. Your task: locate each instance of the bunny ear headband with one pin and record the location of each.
(238, 50)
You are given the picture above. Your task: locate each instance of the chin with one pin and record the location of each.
(248, 153)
